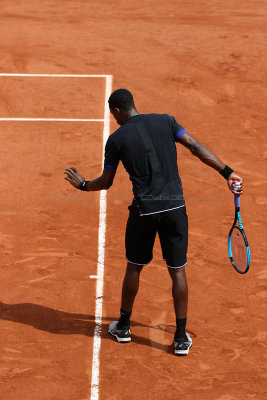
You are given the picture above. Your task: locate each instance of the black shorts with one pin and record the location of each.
(172, 227)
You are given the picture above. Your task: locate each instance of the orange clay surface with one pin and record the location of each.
(203, 62)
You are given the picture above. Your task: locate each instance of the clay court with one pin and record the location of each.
(62, 251)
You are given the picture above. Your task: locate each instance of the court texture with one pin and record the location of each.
(62, 251)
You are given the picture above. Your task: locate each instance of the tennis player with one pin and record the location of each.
(145, 143)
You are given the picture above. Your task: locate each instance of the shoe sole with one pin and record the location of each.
(182, 352)
(120, 340)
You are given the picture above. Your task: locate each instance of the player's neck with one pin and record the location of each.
(125, 116)
(132, 113)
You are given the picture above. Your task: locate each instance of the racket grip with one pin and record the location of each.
(236, 185)
(237, 200)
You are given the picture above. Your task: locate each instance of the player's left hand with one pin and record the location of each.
(73, 176)
(235, 183)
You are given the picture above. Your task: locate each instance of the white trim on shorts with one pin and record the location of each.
(177, 267)
(137, 263)
(156, 212)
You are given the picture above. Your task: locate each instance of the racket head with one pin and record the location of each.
(238, 250)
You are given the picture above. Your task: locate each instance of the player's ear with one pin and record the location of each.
(117, 111)
(114, 111)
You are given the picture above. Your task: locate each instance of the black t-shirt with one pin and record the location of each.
(146, 146)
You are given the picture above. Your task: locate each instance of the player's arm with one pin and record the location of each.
(200, 151)
(102, 182)
(209, 158)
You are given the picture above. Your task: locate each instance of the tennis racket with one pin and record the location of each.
(238, 247)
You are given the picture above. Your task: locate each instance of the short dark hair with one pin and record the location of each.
(121, 99)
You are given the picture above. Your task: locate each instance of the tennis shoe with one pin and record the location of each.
(182, 345)
(122, 335)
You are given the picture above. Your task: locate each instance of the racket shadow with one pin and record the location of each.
(63, 323)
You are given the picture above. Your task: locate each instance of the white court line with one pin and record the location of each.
(100, 261)
(60, 75)
(52, 119)
(102, 220)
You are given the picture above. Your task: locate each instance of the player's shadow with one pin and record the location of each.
(61, 322)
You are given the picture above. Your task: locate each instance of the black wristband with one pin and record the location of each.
(226, 172)
(83, 186)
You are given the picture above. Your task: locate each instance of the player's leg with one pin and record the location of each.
(180, 296)
(173, 234)
(182, 340)
(139, 241)
(130, 286)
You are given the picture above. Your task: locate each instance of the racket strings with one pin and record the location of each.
(239, 250)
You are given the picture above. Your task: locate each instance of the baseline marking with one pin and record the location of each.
(101, 258)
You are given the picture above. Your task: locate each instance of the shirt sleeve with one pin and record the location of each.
(111, 155)
(177, 129)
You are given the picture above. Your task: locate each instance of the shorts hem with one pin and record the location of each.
(181, 266)
(157, 212)
(132, 262)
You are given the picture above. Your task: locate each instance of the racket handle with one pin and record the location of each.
(236, 185)
(237, 200)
